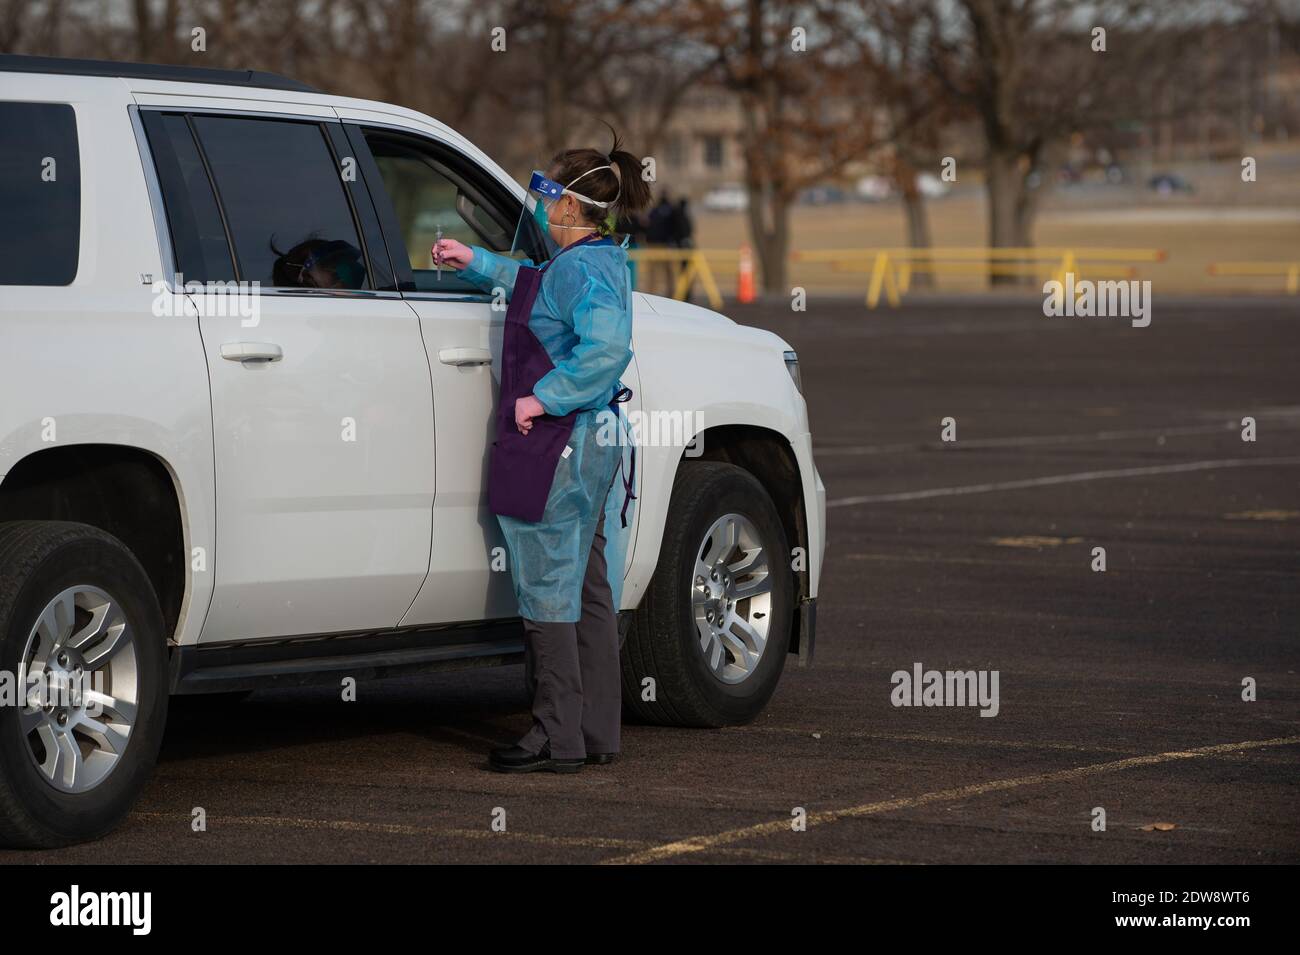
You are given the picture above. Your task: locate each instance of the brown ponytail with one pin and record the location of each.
(622, 186)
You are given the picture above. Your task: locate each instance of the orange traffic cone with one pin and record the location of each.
(745, 276)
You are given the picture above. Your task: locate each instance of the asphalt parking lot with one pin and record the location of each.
(1119, 689)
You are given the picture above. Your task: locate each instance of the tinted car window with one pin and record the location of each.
(40, 194)
(284, 203)
(198, 237)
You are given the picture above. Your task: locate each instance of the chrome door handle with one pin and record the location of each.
(251, 351)
(465, 356)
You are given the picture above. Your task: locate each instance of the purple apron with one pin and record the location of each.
(521, 468)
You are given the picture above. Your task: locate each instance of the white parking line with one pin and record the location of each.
(708, 843)
(1061, 479)
(485, 834)
(1148, 569)
(1027, 441)
(394, 829)
(921, 738)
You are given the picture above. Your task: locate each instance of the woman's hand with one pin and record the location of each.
(450, 252)
(526, 409)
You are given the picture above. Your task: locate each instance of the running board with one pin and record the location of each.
(307, 661)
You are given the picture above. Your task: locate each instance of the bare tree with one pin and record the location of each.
(648, 80)
(574, 60)
(155, 27)
(920, 114)
(1035, 72)
(805, 97)
(34, 27)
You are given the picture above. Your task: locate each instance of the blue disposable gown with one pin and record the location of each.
(583, 318)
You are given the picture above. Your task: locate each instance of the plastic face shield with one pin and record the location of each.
(539, 188)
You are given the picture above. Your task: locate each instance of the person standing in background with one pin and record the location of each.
(660, 235)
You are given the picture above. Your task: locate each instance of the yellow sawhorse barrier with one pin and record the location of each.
(892, 269)
(693, 264)
(1287, 270)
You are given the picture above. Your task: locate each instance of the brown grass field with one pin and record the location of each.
(1225, 220)
(1191, 244)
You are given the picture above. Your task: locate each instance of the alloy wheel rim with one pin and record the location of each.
(82, 693)
(731, 598)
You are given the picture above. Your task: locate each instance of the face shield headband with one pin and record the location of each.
(549, 189)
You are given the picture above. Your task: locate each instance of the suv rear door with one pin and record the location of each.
(322, 413)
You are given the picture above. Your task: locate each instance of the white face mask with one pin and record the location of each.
(552, 224)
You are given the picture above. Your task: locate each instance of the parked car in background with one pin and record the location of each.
(931, 186)
(874, 188)
(728, 198)
(823, 196)
(1169, 183)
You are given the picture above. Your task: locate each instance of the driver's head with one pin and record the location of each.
(319, 263)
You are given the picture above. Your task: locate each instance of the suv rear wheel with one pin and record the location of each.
(82, 646)
(714, 627)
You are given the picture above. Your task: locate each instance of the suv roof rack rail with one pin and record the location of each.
(15, 63)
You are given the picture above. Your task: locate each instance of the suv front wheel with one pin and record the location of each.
(82, 646)
(714, 628)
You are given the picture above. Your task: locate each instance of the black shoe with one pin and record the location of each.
(601, 759)
(516, 759)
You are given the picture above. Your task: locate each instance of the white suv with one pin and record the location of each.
(210, 486)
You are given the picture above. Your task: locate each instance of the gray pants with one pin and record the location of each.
(573, 671)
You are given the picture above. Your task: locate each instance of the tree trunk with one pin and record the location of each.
(769, 202)
(555, 95)
(14, 16)
(155, 38)
(769, 226)
(1026, 213)
(1005, 185)
(143, 30)
(918, 222)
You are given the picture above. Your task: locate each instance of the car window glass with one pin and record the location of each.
(428, 195)
(40, 194)
(194, 222)
(284, 203)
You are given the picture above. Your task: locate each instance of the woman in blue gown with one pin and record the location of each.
(567, 567)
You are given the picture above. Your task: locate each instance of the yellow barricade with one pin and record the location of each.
(690, 265)
(892, 269)
(1288, 270)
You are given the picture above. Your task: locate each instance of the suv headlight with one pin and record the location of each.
(792, 366)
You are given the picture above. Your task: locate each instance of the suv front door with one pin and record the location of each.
(422, 186)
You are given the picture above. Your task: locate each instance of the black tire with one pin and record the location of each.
(38, 561)
(663, 643)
